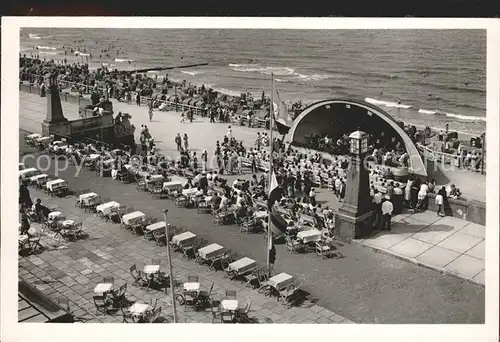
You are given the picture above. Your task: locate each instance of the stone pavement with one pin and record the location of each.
(447, 244)
(72, 269)
(358, 284)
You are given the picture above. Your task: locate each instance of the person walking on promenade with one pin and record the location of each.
(138, 99)
(212, 115)
(178, 141)
(387, 209)
(150, 110)
(415, 188)
(186, 144)
(183, 117)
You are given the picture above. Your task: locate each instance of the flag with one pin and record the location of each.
(274, 191)
(280, 113)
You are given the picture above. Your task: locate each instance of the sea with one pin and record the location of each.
(424, 77)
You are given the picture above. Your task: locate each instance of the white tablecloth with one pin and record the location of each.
(103, 287)
(56, 215)
(172, 186)
(229, 304)
(150, 269)
(156, 178)
(189, 192)
(183, 238)
(39, 178)
(105, 208)
(68, 223)
(156, 226)
(133, 217)
(242, 265)
(93, 157)
(210, 251)
(55, 184)
(138, 308)
(312, 235)
(28, 173)
(261, 214)
(281, 281)
(191, 286)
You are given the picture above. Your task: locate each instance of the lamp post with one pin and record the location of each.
(354, 217)
(171, 276)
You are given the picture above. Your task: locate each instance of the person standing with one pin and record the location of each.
(178, 142)
(408, 192)
(150, 110)
(312, 196)
(138, 99)
(186, 144)
(439, 200)
(204, 159)
(24, 196)
(377, 206)
(387, 209)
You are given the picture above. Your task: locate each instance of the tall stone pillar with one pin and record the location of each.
(354, 219)
(55, 122)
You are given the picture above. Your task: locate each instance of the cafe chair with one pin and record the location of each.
(230, 294)
(193, 279)
(139, 279)
(287, 294)
(102, 304)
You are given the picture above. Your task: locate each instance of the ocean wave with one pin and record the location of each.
(34, 36)
(120, 60)
(48, 53)
(267, 70)
(228, 91)
(426, 111)
(191, 72)
(314, 77)
(466, 117)
(41, 47)
(387, 103)
(280, 80)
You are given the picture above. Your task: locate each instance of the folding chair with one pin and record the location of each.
(139, 279)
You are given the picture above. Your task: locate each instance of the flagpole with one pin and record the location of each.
(271, 123)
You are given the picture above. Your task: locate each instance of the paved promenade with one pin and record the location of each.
(358, 284)
(73, 269)
(447, 244)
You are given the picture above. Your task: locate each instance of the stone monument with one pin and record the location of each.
(355, 218)
(55, 122)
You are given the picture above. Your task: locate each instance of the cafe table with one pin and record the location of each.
(138, 309)
(39, 178)
(55, 184)
(229, 305)
(67, 224)
(280, 281)
(191, 287)
(155, 226)
(106, 208)
(103, 287)
(260, 214)
(28, 173)
(83, 197)
(210, 251)
(172, 186)
(55, 215)
(242, 265)
(182, 239)
(134, 217)
(312, 235)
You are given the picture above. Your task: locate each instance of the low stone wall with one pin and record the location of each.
(66, 97)
(470, 210)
